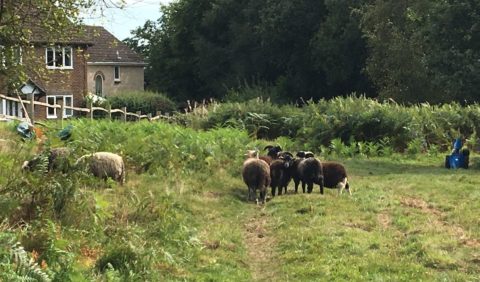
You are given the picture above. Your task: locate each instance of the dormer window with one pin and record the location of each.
(116, 77)
(59, 57)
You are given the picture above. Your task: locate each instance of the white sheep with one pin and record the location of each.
(105, 164)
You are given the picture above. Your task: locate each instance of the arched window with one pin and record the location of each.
(99, 85)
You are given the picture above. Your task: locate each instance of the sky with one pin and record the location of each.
(120, 22)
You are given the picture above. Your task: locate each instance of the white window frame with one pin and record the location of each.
(54, 50)
(54, 115)
(66, 112)
(13, 108)
(3, 107)
(115, 78)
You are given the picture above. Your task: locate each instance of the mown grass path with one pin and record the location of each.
(260, 244)
(406, 220)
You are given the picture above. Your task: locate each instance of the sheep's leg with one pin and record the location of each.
(321, 185)
(263, 194)
(341, 186)
(251, 194)
(347, 187)
(273, 191)
(296, 185)
(310, 187)
(280, 190)
(303, 186)
(285, 190)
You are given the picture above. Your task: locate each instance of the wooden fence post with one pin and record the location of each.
(139, 113)
(62, 109)
(124, 109)
(159, 114)
(109, 108)
(90, 106)
(149, 116)
(32, 108)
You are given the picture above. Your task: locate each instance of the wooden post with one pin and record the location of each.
(124, 109)
(159, 114)
(139, 113)
(62, 109)
(90, 106)
(149, 116)
(32, 109)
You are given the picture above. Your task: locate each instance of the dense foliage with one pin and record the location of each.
(411, 51)
(352, 120)
(146, 102)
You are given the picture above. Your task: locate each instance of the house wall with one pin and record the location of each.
(57, 82)
(61, 82)
(131, 79)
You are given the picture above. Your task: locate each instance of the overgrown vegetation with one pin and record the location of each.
(183, 215)
(354, 120)
(146, 102)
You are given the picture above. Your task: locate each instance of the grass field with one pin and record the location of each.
(408, 219)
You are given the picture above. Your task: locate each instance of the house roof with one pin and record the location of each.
(73, 35)
(107, 49)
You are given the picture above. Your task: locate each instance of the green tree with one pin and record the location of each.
(424, 50)
(201, 49)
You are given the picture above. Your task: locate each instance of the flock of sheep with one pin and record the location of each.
(278, 168)
(100, 164)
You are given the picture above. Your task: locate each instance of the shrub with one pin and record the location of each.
(146, 102)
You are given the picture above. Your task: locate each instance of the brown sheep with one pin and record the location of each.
(335, 176)
(256, 175)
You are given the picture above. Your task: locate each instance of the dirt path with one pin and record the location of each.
(260, 247)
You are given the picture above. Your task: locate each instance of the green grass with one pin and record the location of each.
(183, 217)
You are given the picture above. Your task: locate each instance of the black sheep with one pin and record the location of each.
(310, 172)
(280, 172)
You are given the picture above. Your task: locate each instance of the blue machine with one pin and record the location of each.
(459, 158)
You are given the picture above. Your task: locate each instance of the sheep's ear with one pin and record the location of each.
(268, 147)
(309, 155)
(278, 148)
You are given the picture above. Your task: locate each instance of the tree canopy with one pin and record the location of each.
(411, 51)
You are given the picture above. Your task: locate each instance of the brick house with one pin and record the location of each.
(66, 71)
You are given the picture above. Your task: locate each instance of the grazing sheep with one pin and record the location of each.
(310, 172)
(57, 158)
(256, 175)
(104, 165)
(335, 176)
(280, 172)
